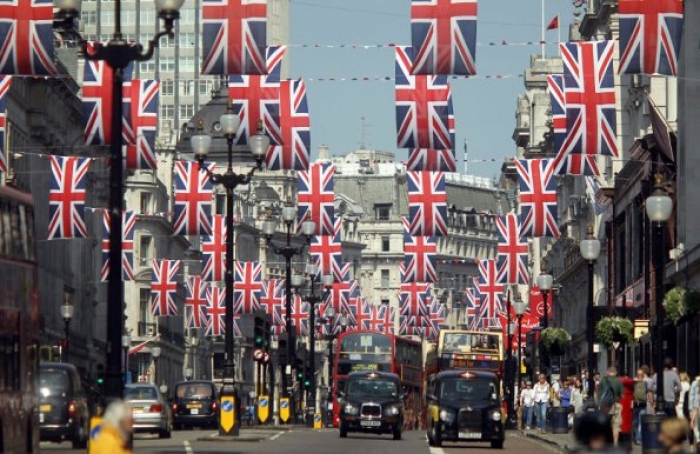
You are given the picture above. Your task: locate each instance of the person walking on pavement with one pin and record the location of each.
(115, 433)
(592, 431)
(673, 435)
(694, 406)
(577, 395)
(609, 395)
(565, 394)
(541, 390)
(639, 402)
(527, 403)
(685, 387)
(671, 391)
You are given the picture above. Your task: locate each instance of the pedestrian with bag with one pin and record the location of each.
(541, 391)
(609, 395)
(694, 407)
(671, 391)
(527, 403)
(639, 402)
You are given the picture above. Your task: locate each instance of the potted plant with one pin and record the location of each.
(613, 329)
(555, 340)
(679, 302)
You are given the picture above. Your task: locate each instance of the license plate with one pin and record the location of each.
(138, 410)
(45, 408)
(470, 435)
(194, 411)
(41, 418)
(370, 423)
(194, 405)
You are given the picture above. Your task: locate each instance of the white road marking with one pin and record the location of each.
(436, 450)
(188, 448)
(276, 436)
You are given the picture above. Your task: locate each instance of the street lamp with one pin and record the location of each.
(229, 180)
(590, 250)
(545, 281)
(155, 353)
(67, 311)
(117, 54)
(126, 343)
(659, 207)
(308, 228)
(343, 322)
(519, 307)
(313, 300)
(188, 373)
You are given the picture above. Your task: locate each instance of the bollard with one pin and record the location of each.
(560, 420)
(651, 427)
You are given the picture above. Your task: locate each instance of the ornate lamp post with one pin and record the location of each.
(308, 228)
(118, 54)
(659, 207)
(126, 343)
(590, 250)
(229, 180)
(155, 353)
(67, 312)
(545, 281)
(519, 307)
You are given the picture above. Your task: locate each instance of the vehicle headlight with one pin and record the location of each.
(447, 415)
(496, 415)
(392, 410)
(350, 409)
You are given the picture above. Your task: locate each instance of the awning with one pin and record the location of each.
(661, 131)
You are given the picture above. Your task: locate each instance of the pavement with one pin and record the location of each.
(566, 443)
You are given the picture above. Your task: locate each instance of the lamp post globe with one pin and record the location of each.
(67, 311)
(590, 247)
(659, 205)
(329, 312)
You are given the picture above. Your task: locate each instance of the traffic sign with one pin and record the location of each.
(228, 413)
(284, 409)
(258, 354)
(317, 421)
(266, 358)
(263, 408)
(95, 428)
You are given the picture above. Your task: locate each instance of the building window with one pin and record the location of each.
(145, 202)
(166, 64)
(89, 17)
(186, 64)
(107, 18)
(206, 87)
(167, 88)
(382, 212)
(385, 301)
(145, 249)
(167, 42)
(220, 203)
(128, 17)
(147, 66)
(386, 244)
(186, 39)
(186, 87)
(186, 112)
(147, 17)
(385, 281)
(144, 304)
(167, 112)
(186, 16)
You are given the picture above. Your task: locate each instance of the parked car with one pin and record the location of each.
(151, 411)
(195, 404)
(63, 405)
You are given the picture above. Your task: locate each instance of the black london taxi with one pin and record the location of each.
(372, 402)
(464, 406)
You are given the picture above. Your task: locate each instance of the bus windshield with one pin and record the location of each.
(363, 344)
(471, 342)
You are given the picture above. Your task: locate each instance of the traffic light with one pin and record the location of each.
(307, 380)
(282, 345)
(258, 331)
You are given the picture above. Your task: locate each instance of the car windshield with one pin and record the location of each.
(374, 388)
(191, 391)
(140, 393)
(53, 382)
(461, 389)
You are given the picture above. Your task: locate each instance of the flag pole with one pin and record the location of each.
(558, 32)
(542, 41)
(466, 170)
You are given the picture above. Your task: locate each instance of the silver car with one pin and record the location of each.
(151, 410)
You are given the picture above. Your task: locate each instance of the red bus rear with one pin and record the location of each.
(376, 351)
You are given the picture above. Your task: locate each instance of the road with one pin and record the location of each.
(305, 441)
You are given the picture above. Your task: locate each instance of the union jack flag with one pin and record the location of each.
(316, 197)
(67, 197)
(5, 84)
(444, 34)
(423, 159)
(164, 287)
(343, 292)
(97, 101)
(589, 94)
(196, 302)
(326, 252)
(300, 315)
(411, 325)
(427, 203)
(141, 123)
(422, 107)
(26, 28)
(436, 319)
(216, 311)
(512, 251)
(471, 314)
(257, 98)
(538, 198)
(214, 251)
(576, 164)
(128, 224)
(650, 36)
(293, 137)
(272, 300)
(414, 298)
(361, 311)
(491, 294)
(247, 278)
(420, 256)
(193, 200)
(379, 318)
(234, 36)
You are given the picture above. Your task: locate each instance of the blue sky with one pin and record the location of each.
(484, 109)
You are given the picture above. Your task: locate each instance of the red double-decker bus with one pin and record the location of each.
(19, 323)
(375, 351)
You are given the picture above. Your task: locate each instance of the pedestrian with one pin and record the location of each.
(609, 395)
(577, 395)
(584, 380)
(527, 403)
(694, 406)
(565, 394)
(685, 387)
(639, 402)
(592, 432)
(673, 435)
(541, 391)
(554, 391)
(116, 429)
(671, 391)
